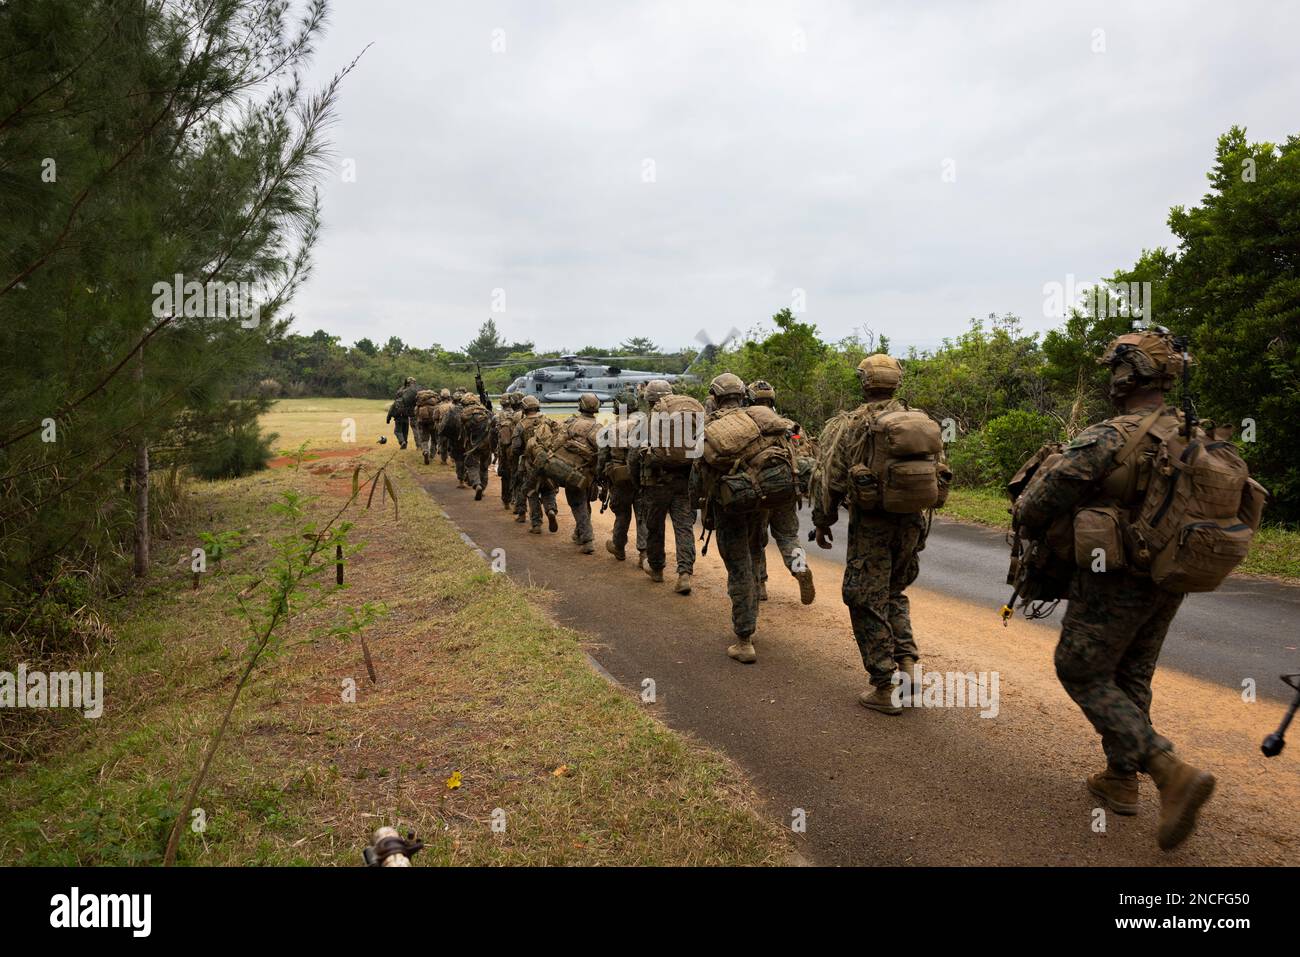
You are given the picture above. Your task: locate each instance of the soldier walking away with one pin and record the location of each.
(507, 420)
(442, 442)
(1138, 547)
(403, 407)
(665, 496)
(476, 442)
(580, 431)
(534, 489)
(783, 520)
(619, 491)
(884, 462)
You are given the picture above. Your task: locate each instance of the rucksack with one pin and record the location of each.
(751, 460)
(1199, 514)
(426, 397)
(1190, 527)
(475, 423)
(538, 432)
(674, 426)
(572, 459)
(895, 463)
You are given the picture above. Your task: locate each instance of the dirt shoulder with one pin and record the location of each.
(488, 733)
(939, 786)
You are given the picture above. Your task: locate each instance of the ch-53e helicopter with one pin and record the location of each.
(568, 377)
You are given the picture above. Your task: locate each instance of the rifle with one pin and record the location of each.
(1276, 741)
(1190, 421)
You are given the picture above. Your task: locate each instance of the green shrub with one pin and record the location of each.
(237, 450)
(1011, 438)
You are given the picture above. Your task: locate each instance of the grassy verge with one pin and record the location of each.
(1275, 551)
(485, 712)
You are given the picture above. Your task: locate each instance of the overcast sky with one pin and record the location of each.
(587, 172)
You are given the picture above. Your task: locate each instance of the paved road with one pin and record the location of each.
(1248, 628)
(933, 786)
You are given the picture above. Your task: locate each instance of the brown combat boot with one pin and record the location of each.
(618, 553)
(478, 493)
(534, 530)
(907, 665)
(683, 586)
(806, 591)
(656, 574)
(520, 517)
(743, 651)
(1117, 789)
(587, 548)
(762, 591)
(880, 699)
(640, 559)
(1183, 789)
(551, 522)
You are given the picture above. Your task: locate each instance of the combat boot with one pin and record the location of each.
(1183, 789)
(1117, 789)
(618, 553)
(656, 574)
(907, 666)
(762, 591)
(551, 523)
(683, 586)
(535, 530)
(806, 591)
(587, 548)
(478, 493)
(459, 483)
(743, 651)
(426, 458)
(520, 517)
(880, 699)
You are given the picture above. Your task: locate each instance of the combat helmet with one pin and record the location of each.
(589, 402)
(1142, 360)
(469, 398)
(727, 385)
(444, 394)
(656, 389)
(530, 403)
(761, 393)
(880, 372)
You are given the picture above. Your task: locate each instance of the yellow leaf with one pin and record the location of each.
(453, 782)
(561, 771)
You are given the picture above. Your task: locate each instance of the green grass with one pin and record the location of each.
(473, 678)
(1275, 551)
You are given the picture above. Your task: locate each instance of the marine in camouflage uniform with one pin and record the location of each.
(739, 535)
(1118, 618)
(665, 496)
(441, 445)
(783, 522)
(623, 499)
(507, 421)
(536, 490)
(584, 426)
(403, 407)
(883, 550)
(476, 447)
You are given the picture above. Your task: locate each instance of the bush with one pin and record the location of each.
(1011, 438)
(239, 449)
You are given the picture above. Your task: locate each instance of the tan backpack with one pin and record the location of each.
(674, 426)
(751, 460)
(896, 464)
(571, 458)
(1200, 511)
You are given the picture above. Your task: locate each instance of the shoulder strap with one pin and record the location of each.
(1143, 428)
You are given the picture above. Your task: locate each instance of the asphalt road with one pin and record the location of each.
(1249, 628)
(937, 785)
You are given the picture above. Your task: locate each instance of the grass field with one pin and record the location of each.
(488, 732)
(1275, 551)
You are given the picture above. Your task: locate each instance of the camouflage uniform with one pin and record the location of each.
(665, 496)
(583, 426)
(401, 421)
(784, 523)
(534, 490)
(1116, 621)
(883, 559)
(507, 422)
(623, 500)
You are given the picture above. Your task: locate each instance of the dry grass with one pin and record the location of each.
(473, 678)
